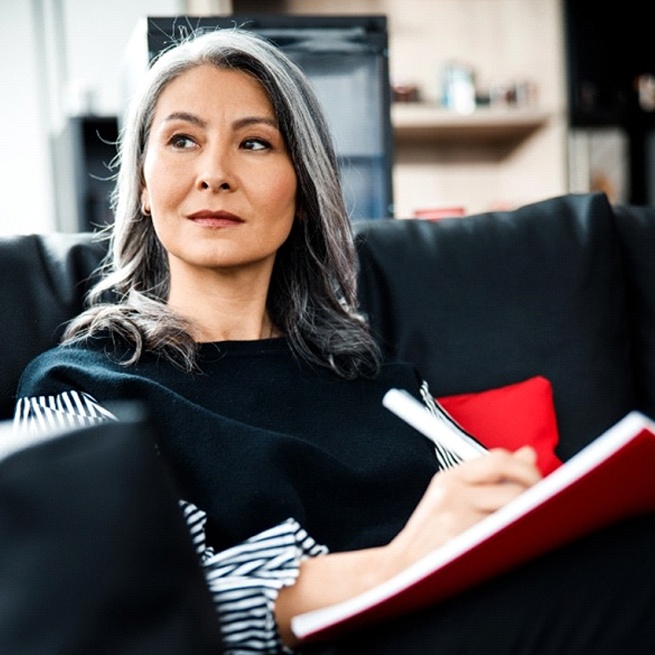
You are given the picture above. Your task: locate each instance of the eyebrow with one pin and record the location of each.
(187, 117)
(241, 122)
(254, 120)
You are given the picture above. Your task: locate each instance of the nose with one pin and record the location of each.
(213, 185)
(215, 172)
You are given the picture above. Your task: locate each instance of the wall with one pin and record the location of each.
(25, 173)
(57, 55)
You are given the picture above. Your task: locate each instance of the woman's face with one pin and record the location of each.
(218, 179)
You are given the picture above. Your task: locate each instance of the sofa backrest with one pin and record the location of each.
(636, 229)
(476, 302)
(43, 279)
(487, 300)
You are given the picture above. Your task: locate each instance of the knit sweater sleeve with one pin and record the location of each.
(244, 580)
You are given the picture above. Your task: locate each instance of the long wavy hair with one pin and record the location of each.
(312, 297)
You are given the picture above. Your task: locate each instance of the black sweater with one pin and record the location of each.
(258, 436)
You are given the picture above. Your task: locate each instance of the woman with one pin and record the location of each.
(229, 309)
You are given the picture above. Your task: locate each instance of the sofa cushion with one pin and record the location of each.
(515, 415)
(482, 301)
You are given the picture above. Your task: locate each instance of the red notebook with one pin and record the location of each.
(610, 479)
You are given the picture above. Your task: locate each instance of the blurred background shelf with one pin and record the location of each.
(427, 122)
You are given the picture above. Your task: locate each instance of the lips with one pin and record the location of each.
(215, 218)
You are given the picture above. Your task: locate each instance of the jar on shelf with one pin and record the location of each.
(458, 88)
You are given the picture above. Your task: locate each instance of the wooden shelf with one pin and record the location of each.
(431, 124)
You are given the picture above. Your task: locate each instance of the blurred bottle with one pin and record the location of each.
(458, 88)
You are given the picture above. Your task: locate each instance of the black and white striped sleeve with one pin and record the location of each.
(445, 456)
(64, 411)
(245, 580)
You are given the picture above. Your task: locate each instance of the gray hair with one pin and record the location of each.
(312, 297)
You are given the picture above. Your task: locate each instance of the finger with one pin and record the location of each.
(500, 466)
(527, 454)
(489, 498)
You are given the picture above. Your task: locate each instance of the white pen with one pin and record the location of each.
(405, 406)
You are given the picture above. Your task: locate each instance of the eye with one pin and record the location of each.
(256, 144)
(181, 141)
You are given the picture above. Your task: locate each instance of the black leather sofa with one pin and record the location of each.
(563, 288)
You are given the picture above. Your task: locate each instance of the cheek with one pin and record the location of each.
(161, 182)
(283, 191)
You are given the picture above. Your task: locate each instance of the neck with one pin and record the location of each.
(205, 333)
(223, 310)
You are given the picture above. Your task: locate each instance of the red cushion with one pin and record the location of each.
(509, 417)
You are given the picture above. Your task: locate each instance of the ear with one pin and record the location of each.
(145, 202)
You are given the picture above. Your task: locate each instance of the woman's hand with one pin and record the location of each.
(454, 500)
(458, 498)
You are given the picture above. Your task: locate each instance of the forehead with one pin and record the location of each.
(208, 87)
